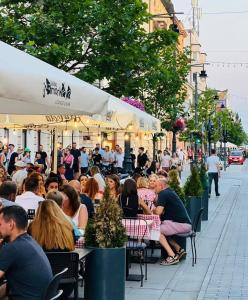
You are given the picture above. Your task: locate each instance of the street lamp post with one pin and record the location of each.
(202, 75)
(224, 138)
(127, 164)
(195, 78)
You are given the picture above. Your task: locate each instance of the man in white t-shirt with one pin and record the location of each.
(118, 158)
(107, 157)
(30, 199)
(213, 166)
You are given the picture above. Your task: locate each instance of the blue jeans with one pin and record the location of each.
(215, 177)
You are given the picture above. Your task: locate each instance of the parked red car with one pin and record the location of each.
(236, 157)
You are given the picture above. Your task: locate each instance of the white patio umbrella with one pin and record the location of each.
(29, 86)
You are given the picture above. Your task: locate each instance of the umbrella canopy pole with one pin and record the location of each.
(55, 150)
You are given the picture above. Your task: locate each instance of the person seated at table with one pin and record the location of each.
(8, 191)
(95, 172)
(22, 260)
(73, 208)
(145, 193)
(83, 198)
(30, 198)
(51, 184)
(82, 180)
(51, 229)
(162, 174)
(92, 190)
(152, 180)
(41, 190)
(113, 182)
(130, 201)
(174, 218)
(55, 196)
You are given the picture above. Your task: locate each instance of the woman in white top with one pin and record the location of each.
(165, 161)
(73, 208)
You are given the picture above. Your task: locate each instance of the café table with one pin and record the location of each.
(154, 234)
(155, 226)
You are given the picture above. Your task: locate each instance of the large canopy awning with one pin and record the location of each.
(29, 86)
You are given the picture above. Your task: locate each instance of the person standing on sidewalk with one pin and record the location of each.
(213, 167)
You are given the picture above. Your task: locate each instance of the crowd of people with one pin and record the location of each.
(60, 204)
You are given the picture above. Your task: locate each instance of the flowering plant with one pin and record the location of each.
(179, 124)
(134, 102)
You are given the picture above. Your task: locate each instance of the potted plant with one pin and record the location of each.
(174, 184)
(204, 182)
(193, 192)
(105, 266)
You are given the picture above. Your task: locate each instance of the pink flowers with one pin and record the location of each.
(179, 124)
(134, 102)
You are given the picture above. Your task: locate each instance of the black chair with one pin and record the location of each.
(31, 214)
(192, 235)
(70, 260)
(136, 245)
(52, 292)
(60, 292)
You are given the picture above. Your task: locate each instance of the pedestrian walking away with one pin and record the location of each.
(213, 167)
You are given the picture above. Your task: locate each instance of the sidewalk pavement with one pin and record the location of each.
(221, 271)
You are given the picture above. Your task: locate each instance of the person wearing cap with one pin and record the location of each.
(26, 157)
(20, 174)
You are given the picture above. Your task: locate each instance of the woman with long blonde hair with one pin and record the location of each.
(51, 229)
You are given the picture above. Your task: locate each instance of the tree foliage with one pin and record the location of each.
(93, 39)
(106, 230)
(102, 40)
(223, 121)
(193, 186)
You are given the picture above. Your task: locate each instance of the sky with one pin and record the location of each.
(224, 37)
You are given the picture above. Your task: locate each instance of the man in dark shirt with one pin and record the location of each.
(133, 158)
(44, 157)
(97, 158)
(142, 158)
(12, 157)
(76, 154)
(22, 260)
(174, 218)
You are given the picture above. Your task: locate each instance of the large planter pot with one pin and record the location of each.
(205, 204)
(105, 274)
(194, 204)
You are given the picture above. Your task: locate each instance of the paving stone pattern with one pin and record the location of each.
(221, 271)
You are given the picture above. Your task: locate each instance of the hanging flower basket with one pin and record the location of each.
(134, 102)
(179, 124)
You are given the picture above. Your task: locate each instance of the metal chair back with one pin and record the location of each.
(52, 289)
(69, 260)
(197, 220)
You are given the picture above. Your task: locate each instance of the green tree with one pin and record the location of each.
(221, 120)
(93, 39)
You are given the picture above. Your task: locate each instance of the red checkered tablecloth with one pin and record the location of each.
(155, 218)
(137, 228)
(80, 243)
